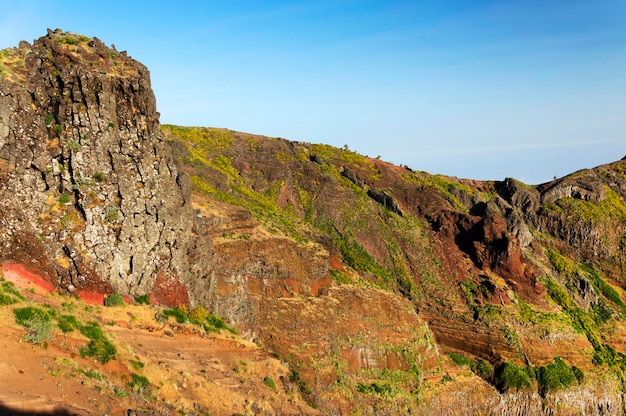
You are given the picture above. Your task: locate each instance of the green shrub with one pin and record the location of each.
(114, 299)
(483, 369)
(555, 376)
(143, 299)
(180, 313)
(198, 314)
(479, 367)
(7, 300)
(138, 382)
(74, 145)
(377, 389)
(295, 377)
(100, 349)
(578, 373)
(216, 321)
(69, 40)
(24, 316)
(64, 199)
(112, 214)
(39, 330)
(92, 330)
(460, 359)
(509, 375)
(137, 365)
(94, 374)
(140, 385)
(67, 323)
(269, 382)
(214, 324)
(98, 176)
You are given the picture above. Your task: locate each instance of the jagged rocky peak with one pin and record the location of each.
(89, 192)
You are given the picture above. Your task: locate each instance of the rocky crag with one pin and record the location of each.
(89, 193)
(386, 290)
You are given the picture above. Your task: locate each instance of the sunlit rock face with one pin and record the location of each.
(90, 194)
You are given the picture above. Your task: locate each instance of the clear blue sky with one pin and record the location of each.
(477, 89)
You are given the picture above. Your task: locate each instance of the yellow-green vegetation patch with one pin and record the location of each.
(11, 62)
(73, 39)
(340, 277)
(569, 268)
(198, 316)
(202, 137)
(9, 294)
(334, 154)
(37, 323)
(611, 208)
(263, 208)
(443, 184)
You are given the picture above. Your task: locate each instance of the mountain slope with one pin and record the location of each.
(383, 289)
(500, 271)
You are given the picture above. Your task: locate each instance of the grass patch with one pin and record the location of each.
(67, 323)
(9, 295)
(26, 315)
(198, 316)
(100, 349)
(94, 374)
(92, 330)
(479, 367)
(378, 389)
(143, 299)
(460, 359)
(140, 385)
(114, 299)
(180, 314)
(340, 277)
(216, 322)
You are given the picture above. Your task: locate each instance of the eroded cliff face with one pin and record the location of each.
(89, 193)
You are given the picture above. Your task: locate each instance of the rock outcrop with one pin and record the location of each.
(89, 192)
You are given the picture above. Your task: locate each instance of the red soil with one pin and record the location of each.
(23, 277)
(18, 274)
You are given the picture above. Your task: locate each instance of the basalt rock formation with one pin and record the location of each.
(89, 192)
(357, 273)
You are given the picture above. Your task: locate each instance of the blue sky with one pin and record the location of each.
(477, 89)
